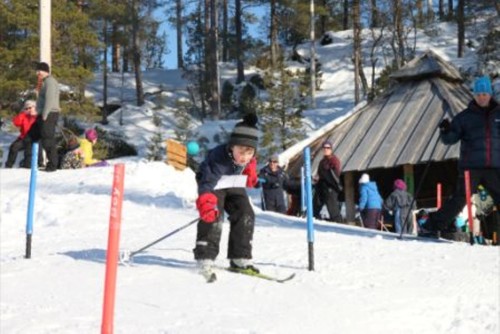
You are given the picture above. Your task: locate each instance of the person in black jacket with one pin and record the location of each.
(273, 180)
(478, 130)
(328, 187)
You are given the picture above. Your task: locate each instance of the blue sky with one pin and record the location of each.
(171, 58)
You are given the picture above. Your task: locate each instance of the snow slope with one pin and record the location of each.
(362, 282)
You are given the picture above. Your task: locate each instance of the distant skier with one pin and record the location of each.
(478, 130)
(237, 157)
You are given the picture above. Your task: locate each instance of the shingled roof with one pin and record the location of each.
(400, 127)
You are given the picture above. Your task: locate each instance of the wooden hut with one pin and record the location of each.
(397, 135)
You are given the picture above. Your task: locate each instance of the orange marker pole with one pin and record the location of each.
(438, 196)
(112, 253)
(469, 206)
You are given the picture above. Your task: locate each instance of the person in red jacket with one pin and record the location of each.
(25, 121)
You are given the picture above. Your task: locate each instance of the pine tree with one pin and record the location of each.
(281, 114)
(155, 147)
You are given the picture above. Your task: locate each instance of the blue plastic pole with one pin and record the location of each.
(310, 222)
(31, 199)
(302, 192)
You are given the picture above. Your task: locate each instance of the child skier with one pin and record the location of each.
(234, 158)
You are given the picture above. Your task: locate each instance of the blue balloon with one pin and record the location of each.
(193, 148)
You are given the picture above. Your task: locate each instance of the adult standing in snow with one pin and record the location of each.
(237, 157)
(48, 107)
(273, 180)
(400, 203)
(328, 187)
(25, 121)
(477, 128)
(370, 202)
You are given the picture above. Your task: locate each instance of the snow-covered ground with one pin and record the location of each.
(363, 282)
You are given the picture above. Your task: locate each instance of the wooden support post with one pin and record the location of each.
(349, 190)
(409, 178)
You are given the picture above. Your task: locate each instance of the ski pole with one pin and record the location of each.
(126, 257)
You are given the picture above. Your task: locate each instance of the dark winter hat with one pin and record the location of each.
(245, 133)
(327, 143)
(274, 157)
(399, 184)
(43, 67)
(483, 86)
(91, 134)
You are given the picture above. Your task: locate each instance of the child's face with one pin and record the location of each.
(242, 154)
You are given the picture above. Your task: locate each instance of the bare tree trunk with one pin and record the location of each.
(450, 9)
(179, 24)
(420, 13)
(105, 74)
(211, 66)
(136, 54)
(441, 10)
(356, 48)
(399, 30)
(373, 59)
(322, 19)
(274, 35)
(374, 11)
(115, 50)
(430, 11)
(225, 31)
(345, 20)
(214, 60)
(240, 77)
(461, 28)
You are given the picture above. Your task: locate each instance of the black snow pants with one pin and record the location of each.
(274, 200)
(235, 202)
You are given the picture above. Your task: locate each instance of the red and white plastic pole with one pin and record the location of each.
(469, 206)
(112, 253)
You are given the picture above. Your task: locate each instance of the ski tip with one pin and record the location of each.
(211, 278)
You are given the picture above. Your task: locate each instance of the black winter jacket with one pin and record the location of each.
(478, 130)
(273, 180)
(218, 162)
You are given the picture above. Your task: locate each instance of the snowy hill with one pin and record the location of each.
(363, 282)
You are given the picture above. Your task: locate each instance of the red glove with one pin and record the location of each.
(251, 172)
(207, 207)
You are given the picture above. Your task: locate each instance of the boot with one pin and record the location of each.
(243, 264)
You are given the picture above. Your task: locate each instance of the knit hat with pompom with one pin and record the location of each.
(245, 133)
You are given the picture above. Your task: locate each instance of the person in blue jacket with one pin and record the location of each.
(237, 157)
(477, 128)
(273, 180)
(370, 202)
